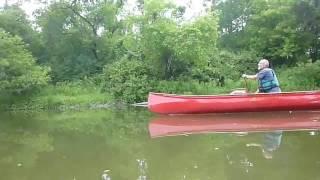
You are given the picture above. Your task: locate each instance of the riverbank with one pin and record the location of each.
(63, 96)
(88, 94)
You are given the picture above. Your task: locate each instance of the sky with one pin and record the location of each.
(193, 7)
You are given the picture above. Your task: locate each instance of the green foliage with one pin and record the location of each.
(129, 50)
(177, 87)
(14, 21)
(128, 80)
(225, 65)
(206, 74)
(307, 15)
(173, 48)
(306, 76)
(79, 37)
(18, 70)
(196, 87)
(274, 35)
(70, 95)
(82, 94)
(195, 42)
(234, 17)
(282, 31)
(232, 65)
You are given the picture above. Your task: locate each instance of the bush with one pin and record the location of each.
(196, 87)
(19, 72)
(128, 80)
(232, 65)
(305, 76)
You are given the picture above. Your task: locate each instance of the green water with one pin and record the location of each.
(81, 145)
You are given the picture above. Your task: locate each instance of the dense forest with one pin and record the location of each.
(97, 51)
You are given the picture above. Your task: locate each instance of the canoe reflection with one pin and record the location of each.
(161, 126)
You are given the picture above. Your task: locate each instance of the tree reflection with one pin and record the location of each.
(82, 145)
(71, 144)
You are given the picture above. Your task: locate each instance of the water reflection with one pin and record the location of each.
(105, 175)
(253, 158)
(116, 145)
(242, 122)
(143, 167)
(271, 142)
(270, 126)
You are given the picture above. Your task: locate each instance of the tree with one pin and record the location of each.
(285, 31)
(234, 15)
(173, 48)
(78, 36)
(273, 35)
(307, 14)
(18, 70)
(129, 81)
(14, 20)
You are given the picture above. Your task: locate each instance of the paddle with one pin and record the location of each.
(141, 104)
(246, 84)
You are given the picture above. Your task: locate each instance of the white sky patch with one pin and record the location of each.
(194, 8)
(29, 6)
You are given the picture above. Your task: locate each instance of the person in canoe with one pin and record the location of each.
(267, 79)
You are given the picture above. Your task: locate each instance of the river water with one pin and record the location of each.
(116, 145)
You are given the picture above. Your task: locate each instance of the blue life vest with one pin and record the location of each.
(268, 80)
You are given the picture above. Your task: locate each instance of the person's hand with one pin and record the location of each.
(244, 76)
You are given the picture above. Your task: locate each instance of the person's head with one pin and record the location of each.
(263, 63)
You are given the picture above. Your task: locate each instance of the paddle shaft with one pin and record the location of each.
(246, 84)
(141, 104)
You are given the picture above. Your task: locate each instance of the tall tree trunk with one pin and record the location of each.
(6, 4)
(168, 72)
(316, 46)
(94, 29)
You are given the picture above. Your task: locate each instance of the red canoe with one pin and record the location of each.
(197, 104)
(243, 122)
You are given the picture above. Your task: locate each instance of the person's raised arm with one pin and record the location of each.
(249, 76)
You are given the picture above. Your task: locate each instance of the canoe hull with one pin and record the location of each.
(185, 104)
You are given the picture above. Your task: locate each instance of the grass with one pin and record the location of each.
(201, 88)
(63, 95)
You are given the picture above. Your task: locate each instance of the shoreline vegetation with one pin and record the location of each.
(85, 95)
(77, 55)
(59, 97)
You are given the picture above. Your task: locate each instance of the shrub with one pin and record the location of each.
(19, 72)
(224, 65)
(305, 76)
(128, 80)
(196, 87)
